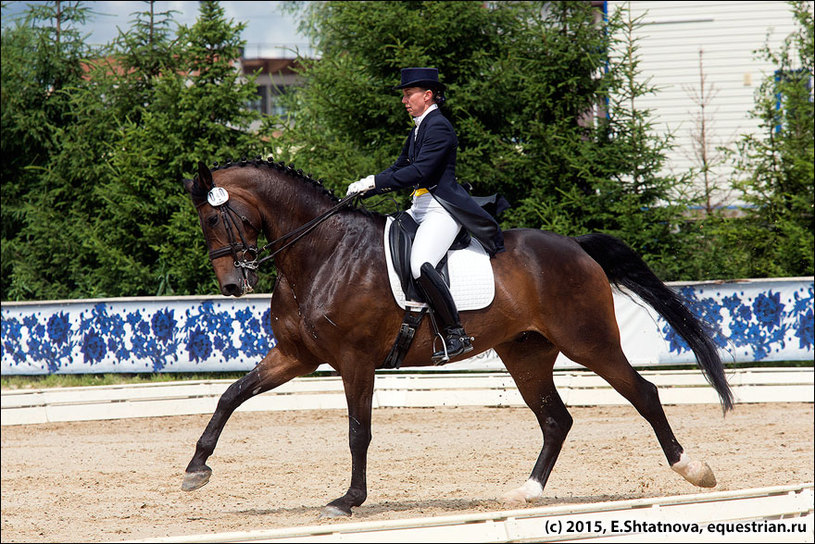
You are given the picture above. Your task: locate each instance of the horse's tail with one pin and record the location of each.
(624, 268)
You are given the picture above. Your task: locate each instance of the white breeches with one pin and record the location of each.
(437, 230)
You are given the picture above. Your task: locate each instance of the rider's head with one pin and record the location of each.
(421, 88)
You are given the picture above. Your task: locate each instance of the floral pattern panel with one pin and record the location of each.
(138, 335)
(761, 320)
(770, 320)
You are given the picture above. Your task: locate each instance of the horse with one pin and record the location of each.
(331, 303)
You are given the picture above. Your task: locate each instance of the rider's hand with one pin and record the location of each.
(361, 186)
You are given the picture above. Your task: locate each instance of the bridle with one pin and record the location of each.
(244, 255)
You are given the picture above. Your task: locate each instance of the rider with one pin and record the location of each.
(440, 205)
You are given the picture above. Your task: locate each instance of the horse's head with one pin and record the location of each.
(231, 225)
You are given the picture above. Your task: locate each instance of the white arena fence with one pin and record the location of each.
(576, 388)
(770, 514)
(759, 320)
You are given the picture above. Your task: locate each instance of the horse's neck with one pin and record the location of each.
(288, 205)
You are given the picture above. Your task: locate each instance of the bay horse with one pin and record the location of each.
(332, 304)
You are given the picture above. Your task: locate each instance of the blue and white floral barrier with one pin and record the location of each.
(157, 334)
(759, 320)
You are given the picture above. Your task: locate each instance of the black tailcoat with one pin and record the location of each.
(430, 163)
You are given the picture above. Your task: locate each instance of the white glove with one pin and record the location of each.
(361, 186)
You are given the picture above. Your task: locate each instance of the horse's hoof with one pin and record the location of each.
(196, 480)
(530, 491)
(706, 478)
(335, 512)
(696, 472)
(513, 499)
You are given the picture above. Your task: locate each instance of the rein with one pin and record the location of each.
(300, 232)
(246, 256)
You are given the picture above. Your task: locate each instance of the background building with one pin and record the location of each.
(681, 42)
(275, 78)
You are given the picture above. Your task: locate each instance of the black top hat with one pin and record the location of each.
(420, 77)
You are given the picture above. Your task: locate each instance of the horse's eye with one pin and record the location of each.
(212, 221)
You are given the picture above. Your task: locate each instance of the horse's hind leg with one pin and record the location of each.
(274, 370)
(530, 360)
(643, 395)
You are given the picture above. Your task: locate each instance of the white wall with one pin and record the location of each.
(728, 33)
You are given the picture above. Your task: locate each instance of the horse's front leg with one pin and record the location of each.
(359, 390)
(274, 370)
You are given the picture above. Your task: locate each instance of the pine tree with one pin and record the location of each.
(777, 161)
(107, 212)
(193, 108)
(42, 59)
(524, 81)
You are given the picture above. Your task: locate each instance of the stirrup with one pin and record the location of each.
(443, 355)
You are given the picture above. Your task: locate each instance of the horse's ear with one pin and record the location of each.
(204, 176)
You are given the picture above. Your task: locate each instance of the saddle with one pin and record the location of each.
(472, 286)
(401, 235)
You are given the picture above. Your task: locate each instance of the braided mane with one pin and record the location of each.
(280, 166)
(290, 170)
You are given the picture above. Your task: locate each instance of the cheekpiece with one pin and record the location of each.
(217, 196)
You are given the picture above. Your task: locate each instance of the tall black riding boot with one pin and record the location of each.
(439, 298)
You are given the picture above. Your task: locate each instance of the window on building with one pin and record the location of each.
(261, 101)
(276, 107)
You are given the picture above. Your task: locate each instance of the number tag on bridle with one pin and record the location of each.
(217, 196)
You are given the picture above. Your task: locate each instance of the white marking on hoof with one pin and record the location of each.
(696, 472)
(530, 490)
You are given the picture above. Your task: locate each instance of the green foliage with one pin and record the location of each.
(773, 237)
(41, 58)
(614, 166)
(523, 79)
(106, 213)
(777, 162)
(95, 142)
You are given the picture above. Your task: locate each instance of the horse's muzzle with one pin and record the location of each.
(240, 285)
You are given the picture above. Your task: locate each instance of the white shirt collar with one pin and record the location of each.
(418, 120)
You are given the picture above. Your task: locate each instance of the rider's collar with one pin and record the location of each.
(418, 120)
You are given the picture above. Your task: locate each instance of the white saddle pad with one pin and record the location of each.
(471, 280)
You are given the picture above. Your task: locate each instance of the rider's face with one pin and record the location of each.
(416, 100)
